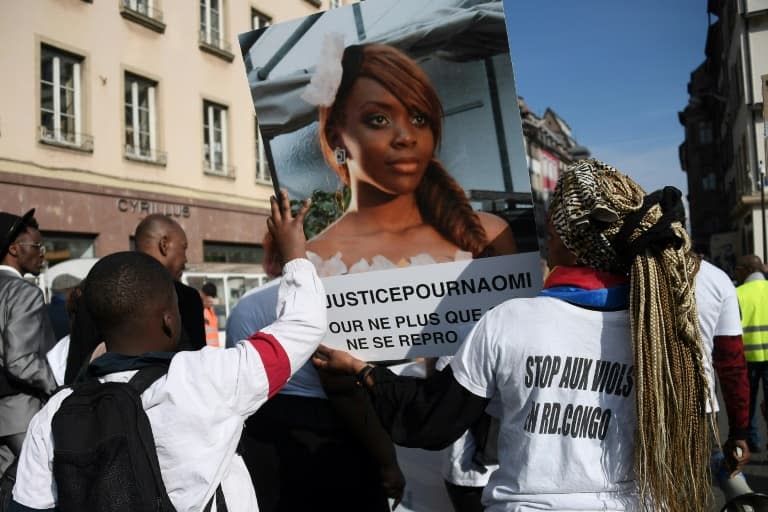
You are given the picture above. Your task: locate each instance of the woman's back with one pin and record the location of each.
(565, 377)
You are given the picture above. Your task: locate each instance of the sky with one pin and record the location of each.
(616, 71)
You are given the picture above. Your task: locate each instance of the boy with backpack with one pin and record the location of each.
(110, 446)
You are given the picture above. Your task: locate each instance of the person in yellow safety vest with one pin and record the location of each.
(753, 302)
(208, 295)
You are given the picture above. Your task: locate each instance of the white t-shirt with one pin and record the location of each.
(718, 309)
(565, 378)
(198, 408)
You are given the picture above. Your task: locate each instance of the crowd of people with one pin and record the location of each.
(646, 303)
(610, 407)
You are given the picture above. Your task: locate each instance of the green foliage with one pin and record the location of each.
(326, 208)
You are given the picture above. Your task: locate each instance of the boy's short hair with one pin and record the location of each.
(122, 286)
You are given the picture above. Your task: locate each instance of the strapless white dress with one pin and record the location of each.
(335, 266)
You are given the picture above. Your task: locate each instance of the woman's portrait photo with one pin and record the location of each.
(400, 121)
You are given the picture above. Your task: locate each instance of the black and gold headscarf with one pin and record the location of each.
(606, 219)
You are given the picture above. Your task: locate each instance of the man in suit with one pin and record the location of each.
(164, 239)
(25, 377)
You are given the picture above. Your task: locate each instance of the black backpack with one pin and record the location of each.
(104, 456)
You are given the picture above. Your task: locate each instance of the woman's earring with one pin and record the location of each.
(341, 155)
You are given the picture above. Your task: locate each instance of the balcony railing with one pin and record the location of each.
(144, 155)
(141, 12)
(72, 140)
(225, 171)
(216, 46)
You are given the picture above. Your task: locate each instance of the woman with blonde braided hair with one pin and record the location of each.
(610, 227)
(601, 377)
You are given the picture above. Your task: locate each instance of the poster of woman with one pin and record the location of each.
(400, 120)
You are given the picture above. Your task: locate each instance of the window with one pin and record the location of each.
(65, 246)
(211, 22)
(705, 132)
(140, 119)
(60, 99)
(215, 139)
(709, 182)
(144, 7)
(144, 12)
(217, 252)
(262, 167)
(212, 38)
(259, 20)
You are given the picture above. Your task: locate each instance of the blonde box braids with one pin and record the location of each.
(609, 223)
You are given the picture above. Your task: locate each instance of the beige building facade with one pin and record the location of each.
(114, 109)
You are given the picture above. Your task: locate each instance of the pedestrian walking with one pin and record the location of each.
(753, 302)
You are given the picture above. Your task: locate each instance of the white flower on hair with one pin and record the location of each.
(324, 84)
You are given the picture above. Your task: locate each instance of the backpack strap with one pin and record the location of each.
(221, 503)
(141, 381)
(146, 376)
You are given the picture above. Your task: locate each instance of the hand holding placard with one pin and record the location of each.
(288, 230)
(326, 358)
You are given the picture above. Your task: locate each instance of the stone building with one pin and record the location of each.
(111, 110)
(549, 148)
(724, 148)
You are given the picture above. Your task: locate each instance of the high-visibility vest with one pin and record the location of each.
(753, 302)
(211, 327)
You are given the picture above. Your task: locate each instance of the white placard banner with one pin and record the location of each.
(422, 311)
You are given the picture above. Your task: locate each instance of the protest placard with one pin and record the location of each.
(400, 120)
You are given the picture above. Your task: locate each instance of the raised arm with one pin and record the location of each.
(301, 315)
(259, 364)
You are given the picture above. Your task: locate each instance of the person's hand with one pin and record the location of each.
(737, 455)
(337, 361)
(287, 230)
(393, 482)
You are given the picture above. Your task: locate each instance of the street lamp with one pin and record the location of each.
(762, 209)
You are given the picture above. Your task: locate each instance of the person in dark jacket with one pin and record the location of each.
(164, 239)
